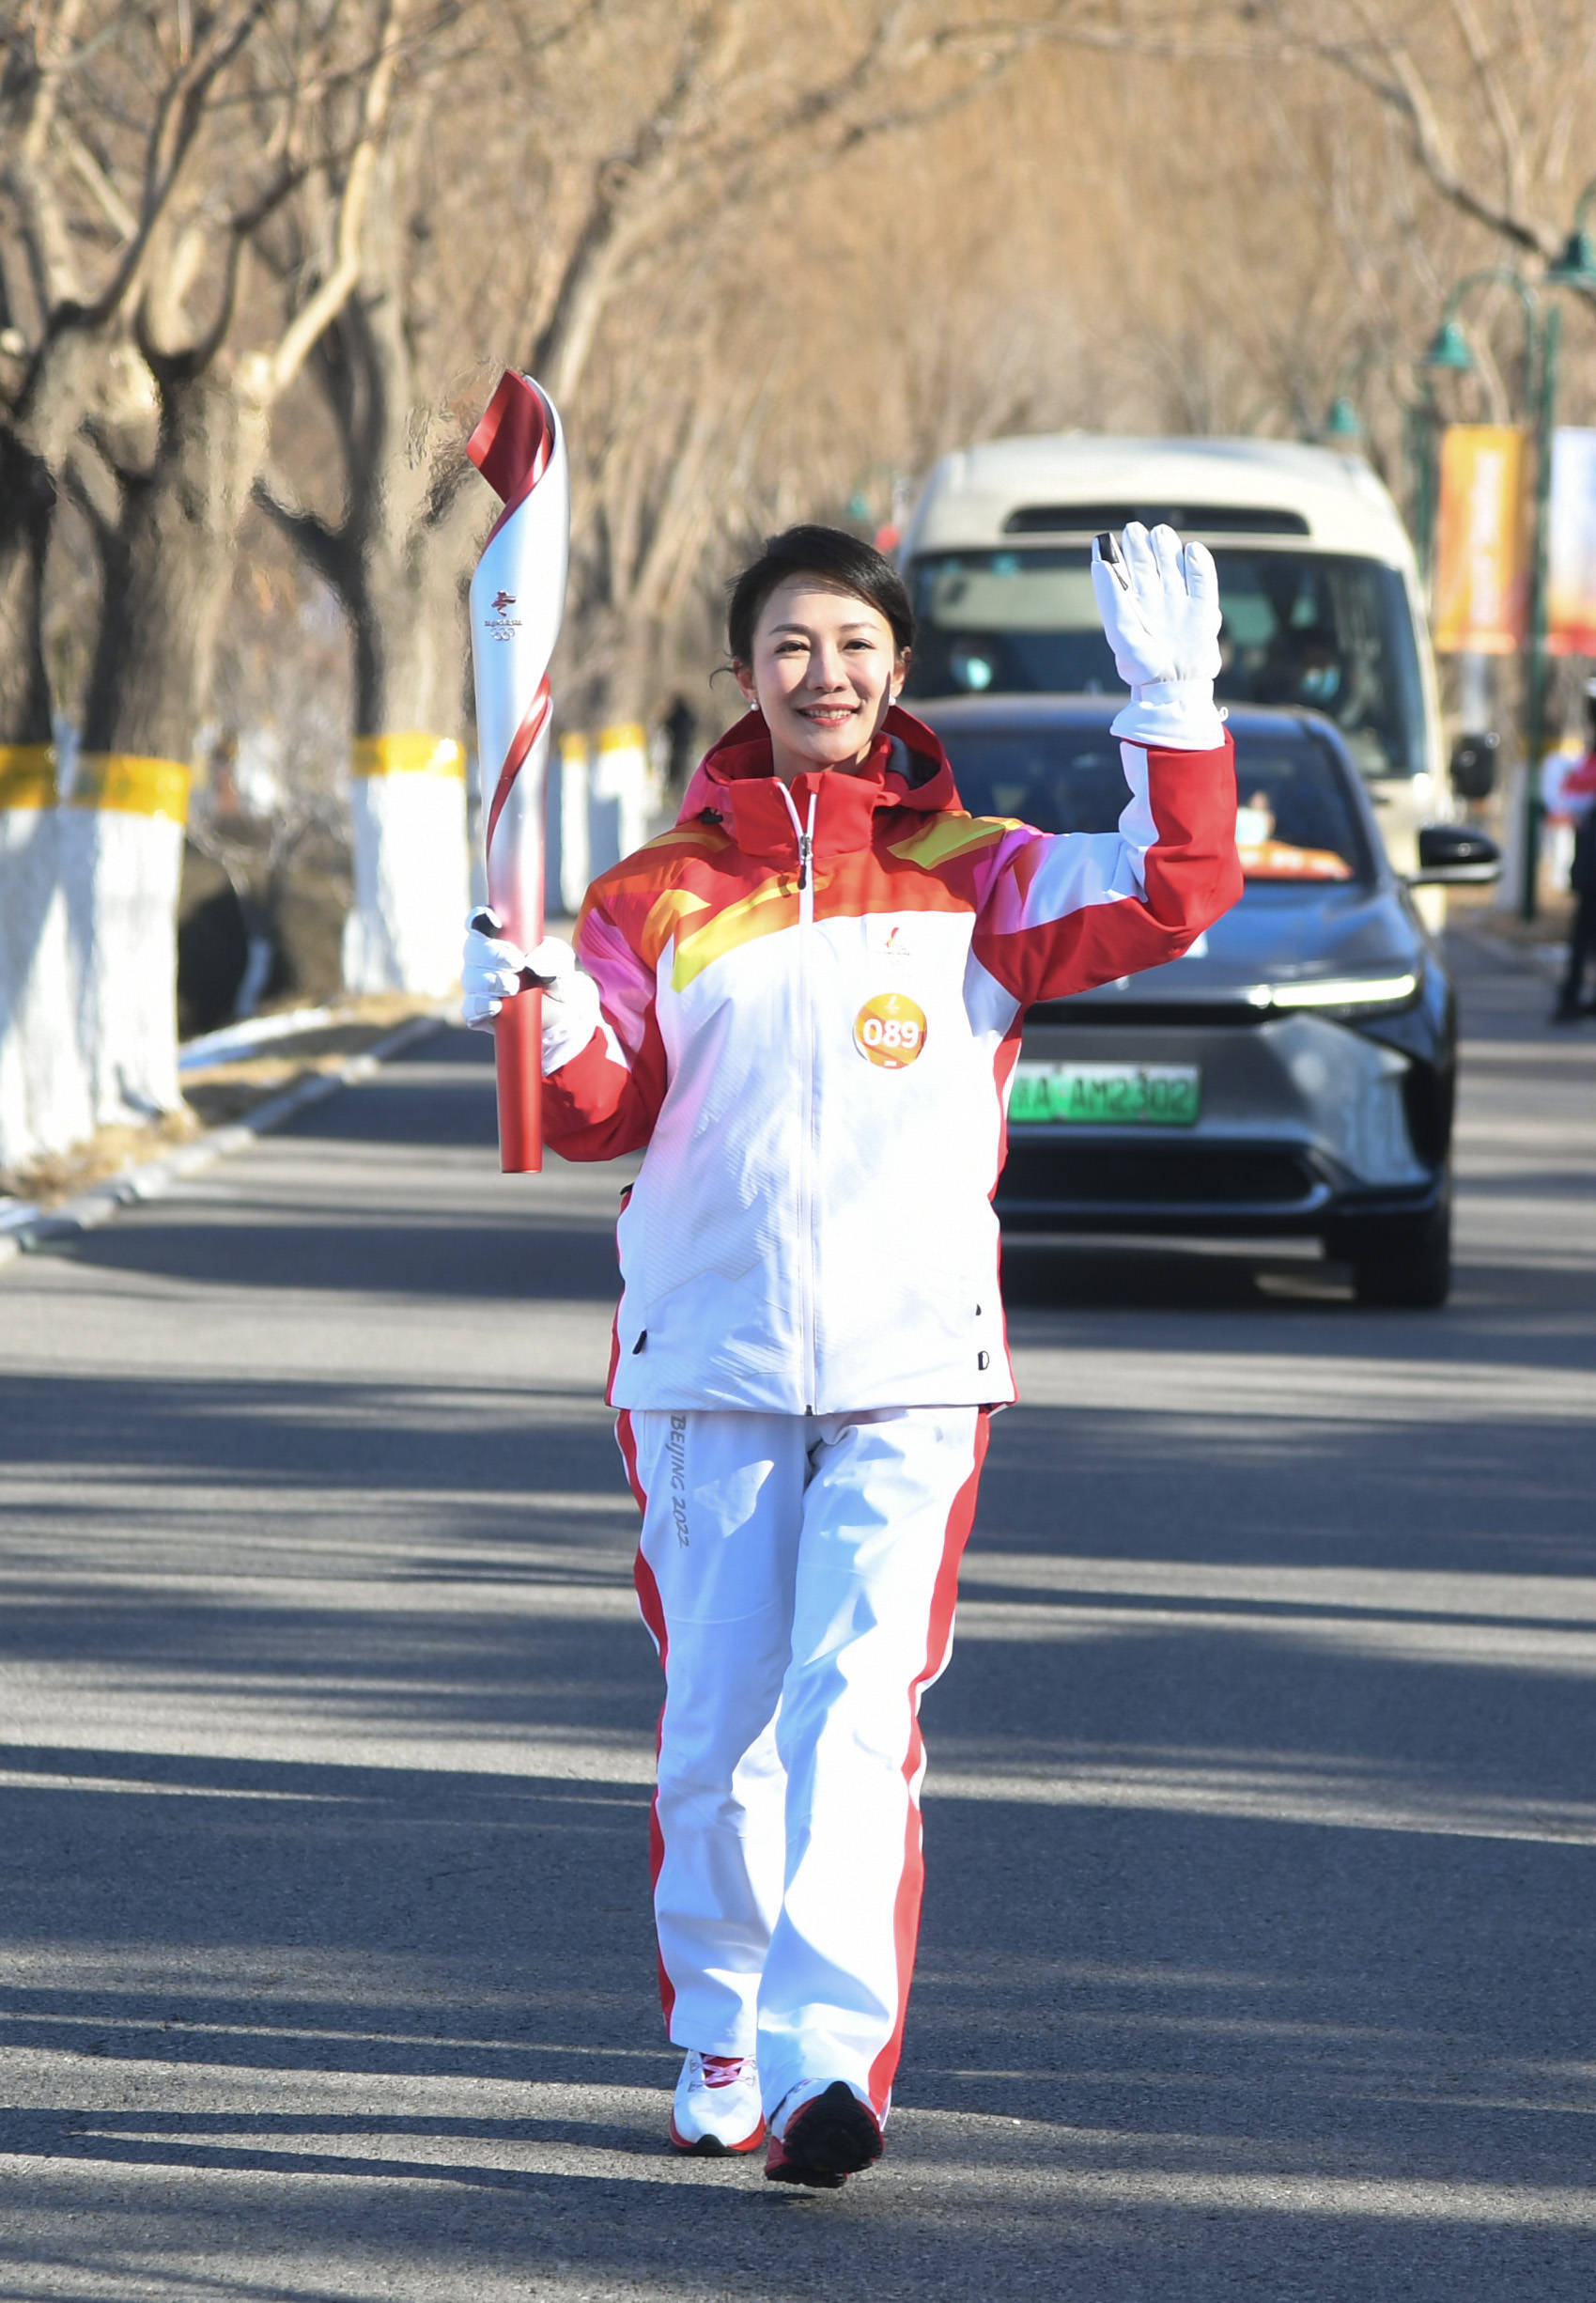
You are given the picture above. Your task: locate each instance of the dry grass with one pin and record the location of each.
(45, 1183)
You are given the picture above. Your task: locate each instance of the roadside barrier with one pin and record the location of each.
(412, 873)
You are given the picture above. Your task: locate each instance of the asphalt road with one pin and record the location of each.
(1262, 1821)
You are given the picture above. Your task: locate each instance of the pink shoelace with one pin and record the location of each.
(722, 2070)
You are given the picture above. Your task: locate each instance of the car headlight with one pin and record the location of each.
(1359, 995)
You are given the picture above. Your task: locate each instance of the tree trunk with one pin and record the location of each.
(406, 615)
(28, 506)
(46, 1085)
(169, 561)
(34, 439)
(398, 562)
(412, 867)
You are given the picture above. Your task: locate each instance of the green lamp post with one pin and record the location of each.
(1576, 266)
(1341, 427)
(1449, 352)
(1449, 348)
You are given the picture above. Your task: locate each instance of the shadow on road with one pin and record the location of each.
(1259, 1817)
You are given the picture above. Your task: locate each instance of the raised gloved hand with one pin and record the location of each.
(493, 969)
(1159, 601)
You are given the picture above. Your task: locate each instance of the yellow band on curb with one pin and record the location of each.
(27, 776)
(410, 754)
(124, 785)
(626, 735)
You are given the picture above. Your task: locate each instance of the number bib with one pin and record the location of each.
(890, 1030)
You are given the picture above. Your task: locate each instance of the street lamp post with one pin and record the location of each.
(1450, 351)
(1342, 426)
(1535, 670)
(1575, 268)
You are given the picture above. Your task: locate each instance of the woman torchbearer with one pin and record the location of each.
(803, 1006)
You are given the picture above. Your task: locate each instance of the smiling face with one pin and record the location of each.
(825, 671)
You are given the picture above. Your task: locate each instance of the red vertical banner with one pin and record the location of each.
(1481, 556)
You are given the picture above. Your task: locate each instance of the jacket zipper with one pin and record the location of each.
(808, 1149)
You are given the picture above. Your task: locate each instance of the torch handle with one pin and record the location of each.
(518, 1042)
(517, 1062)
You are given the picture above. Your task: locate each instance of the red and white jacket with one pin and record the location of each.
(813, 998)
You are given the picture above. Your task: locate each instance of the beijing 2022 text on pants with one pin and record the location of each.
(799, 1575)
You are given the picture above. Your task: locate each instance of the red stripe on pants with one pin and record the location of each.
(653, 1609)
(911, 1885)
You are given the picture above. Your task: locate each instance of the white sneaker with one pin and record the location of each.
(717, 2107)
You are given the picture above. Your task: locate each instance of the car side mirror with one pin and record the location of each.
(1474, 765)
(1456, 856)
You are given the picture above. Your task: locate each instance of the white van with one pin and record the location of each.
(1317, 580)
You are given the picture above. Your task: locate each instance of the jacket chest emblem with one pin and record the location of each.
(889, 1031)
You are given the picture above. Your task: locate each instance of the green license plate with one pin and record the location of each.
(1106, 1095)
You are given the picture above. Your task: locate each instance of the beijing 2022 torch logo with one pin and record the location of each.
(501, 624)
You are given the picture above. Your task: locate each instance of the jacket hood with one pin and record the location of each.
(906, 768)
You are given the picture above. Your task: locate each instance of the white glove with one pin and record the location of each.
(494, 970)
(570, 1002)
(1159, 602)
(490, 973)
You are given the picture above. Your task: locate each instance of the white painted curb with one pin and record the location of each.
(241, 1039)
(25, 1227)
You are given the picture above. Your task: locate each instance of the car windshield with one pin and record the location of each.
(1295, 820)
(1300, 627)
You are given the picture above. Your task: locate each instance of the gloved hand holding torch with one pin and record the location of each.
(494, 970)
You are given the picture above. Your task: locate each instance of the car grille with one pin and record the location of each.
(1151, 1175)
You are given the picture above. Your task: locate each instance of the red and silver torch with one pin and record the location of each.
(517, 596)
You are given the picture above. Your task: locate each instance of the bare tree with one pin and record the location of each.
(152, 150)
(76, 254)
(1491, 97)
(631, 145)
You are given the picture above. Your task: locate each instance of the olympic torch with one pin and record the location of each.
(517, 596)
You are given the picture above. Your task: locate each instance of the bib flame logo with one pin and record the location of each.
(890, 1030)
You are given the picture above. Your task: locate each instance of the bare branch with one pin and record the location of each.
(1502, 119)
(100, 189)
(1382, 64)
(284, 362)
(326, 547)
(51, 53)
(173, 131)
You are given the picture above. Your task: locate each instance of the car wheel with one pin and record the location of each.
(1403, 1263)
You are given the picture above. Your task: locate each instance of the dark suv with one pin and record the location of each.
(1294, 1072)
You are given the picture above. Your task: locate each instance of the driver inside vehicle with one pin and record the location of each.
(1302, 667)
(1286, 831)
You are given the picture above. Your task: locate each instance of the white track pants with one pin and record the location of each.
(799, 1575)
